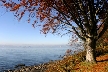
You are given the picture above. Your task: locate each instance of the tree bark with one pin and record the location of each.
(90, 50)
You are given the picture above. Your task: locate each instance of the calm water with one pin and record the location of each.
(11, 56)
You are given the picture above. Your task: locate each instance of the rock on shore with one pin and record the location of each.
(34, 68)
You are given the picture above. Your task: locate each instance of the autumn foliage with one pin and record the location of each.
(59, 14)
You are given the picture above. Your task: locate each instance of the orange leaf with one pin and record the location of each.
(15, 7)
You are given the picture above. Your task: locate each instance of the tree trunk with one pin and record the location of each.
(90, 50)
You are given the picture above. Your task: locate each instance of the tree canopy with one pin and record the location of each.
(88, 19)
(81, 17)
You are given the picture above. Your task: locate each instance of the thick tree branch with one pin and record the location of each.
(92, 17)
(103, 31)
(104, 28)
(76, 32)
(101, 25)
(79, 11)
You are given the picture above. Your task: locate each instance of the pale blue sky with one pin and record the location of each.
(14, 32)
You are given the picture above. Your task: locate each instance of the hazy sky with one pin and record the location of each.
(14, 32)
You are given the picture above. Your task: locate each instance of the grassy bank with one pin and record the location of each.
(76, 63)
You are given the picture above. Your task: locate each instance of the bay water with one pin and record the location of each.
(11, 56)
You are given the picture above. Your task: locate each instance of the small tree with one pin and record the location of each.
(83, 18)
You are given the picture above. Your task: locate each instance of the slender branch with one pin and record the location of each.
(61, 20)
(76, 32)
(60, 11)
(69, 8)
(67, 21)
(69, 31)
(63, 16)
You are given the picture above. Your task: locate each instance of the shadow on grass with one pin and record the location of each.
(103, 60)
